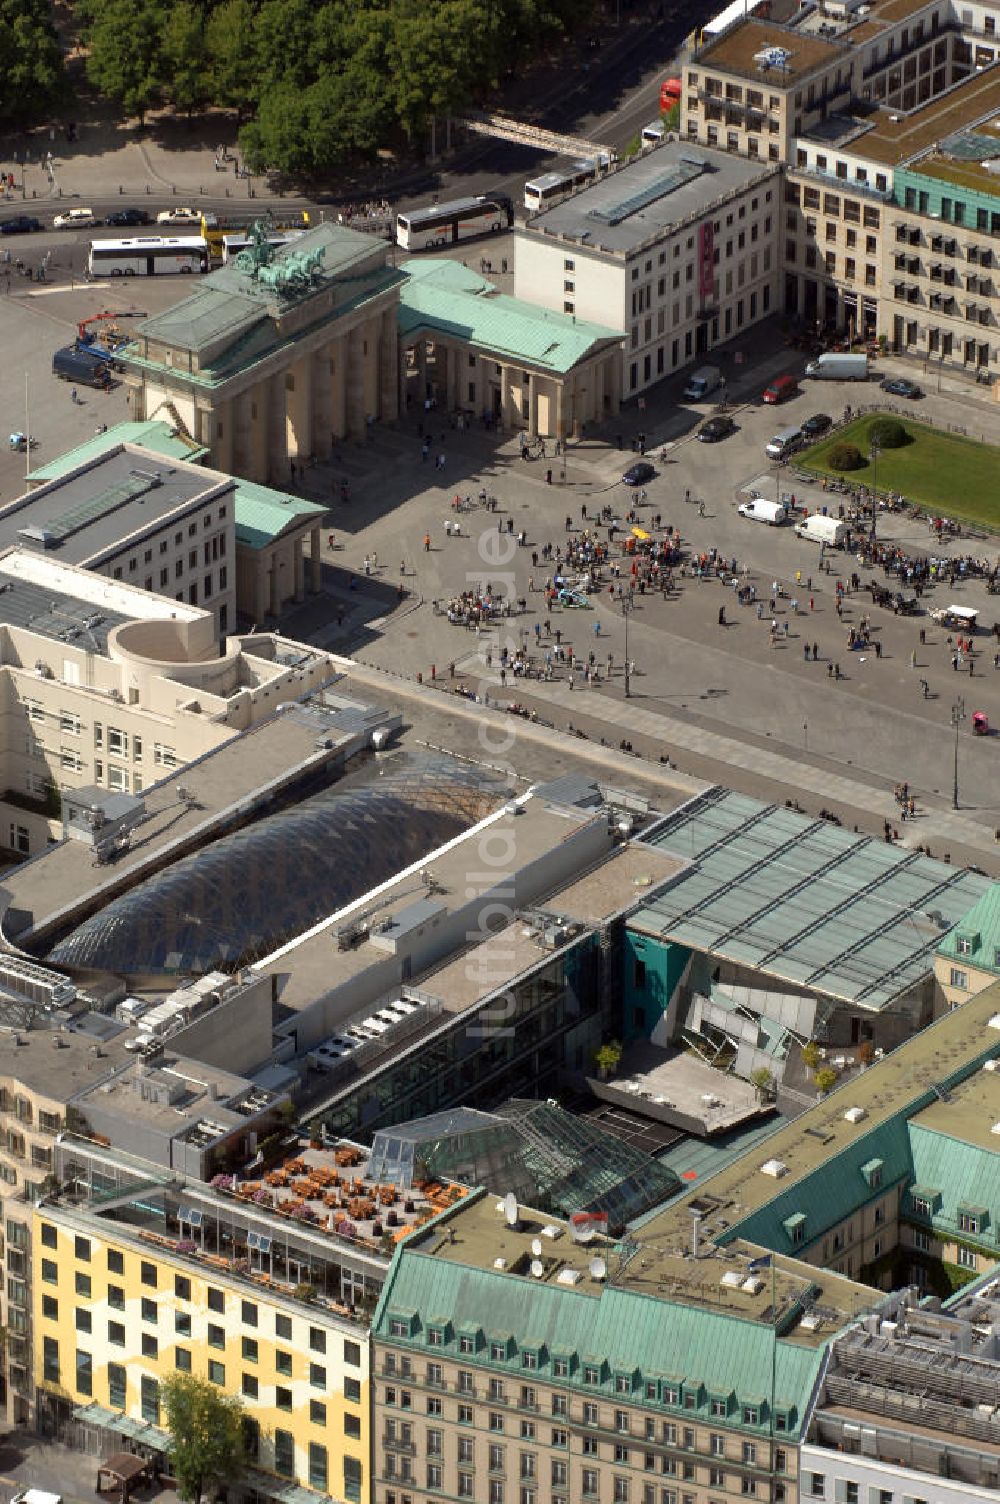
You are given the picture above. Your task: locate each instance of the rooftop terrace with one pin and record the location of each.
(904, 1081)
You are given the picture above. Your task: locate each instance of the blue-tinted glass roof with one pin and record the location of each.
(244, 895)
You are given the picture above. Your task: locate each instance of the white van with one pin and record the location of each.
(784, 443)
(759, 510)
(653, 133)
(820, 529)
(35, 1496)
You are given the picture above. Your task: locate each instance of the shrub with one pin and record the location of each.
(888, 433)
(866, 1052)
(845, 457)
(810, 1055)
(825, 1080)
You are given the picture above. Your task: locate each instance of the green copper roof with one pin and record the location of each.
(153, 433)
(626, 1330)
(440, 295)
(976, 937)
(262, 514)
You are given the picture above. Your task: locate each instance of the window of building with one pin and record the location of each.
(216, 1336)
(82, 1285)
(967, 1258)
(150, 1400)
(182, 1359)
(149, 1310)
(284, 1453)
(150, 1346)
(959, 978)
(116, 1386)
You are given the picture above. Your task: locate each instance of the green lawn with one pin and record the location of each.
(949, 475)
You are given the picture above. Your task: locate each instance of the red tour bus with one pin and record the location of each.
(670, 94)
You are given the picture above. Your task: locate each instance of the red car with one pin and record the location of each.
(780, 389)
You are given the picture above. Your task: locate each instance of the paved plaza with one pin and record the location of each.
(722, 703)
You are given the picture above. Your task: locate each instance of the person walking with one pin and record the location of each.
(427, 543)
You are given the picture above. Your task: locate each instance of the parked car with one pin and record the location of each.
(128, 217)
(74, 219)
(817, 424)
(179, 216)
(780, 389)
(19, 224)
(900, 386)
(715, 429)
(639, 473)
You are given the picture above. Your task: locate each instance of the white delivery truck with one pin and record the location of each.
(838, 368)
(820, 529)
(759, 510)
(704, 381)
(35, 1496)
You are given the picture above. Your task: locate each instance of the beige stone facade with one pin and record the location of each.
(159, 696)
(270, 373)
(443, 1430)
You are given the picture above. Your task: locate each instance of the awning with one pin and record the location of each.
(122, 1425)
(282, 1490)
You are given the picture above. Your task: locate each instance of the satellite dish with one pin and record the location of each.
(598, 1268)
(536, 1247)
(510, 1209)
(583, 1232)
(537, 1268)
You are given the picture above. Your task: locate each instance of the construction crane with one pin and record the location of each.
(97, 318)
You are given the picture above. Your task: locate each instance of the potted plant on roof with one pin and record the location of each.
(607, 1059)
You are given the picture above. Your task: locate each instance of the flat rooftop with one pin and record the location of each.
(315, 965)
(944, 1051)
(186, 1093)
(671, 184)
(52, 889)
(804, 900)
(895, 137)
(116, 497)
(971, 1113)
(661, 1268)
(737, 51)
(663, 1083)
(60, 1063)
(60, 615)
(967, 158)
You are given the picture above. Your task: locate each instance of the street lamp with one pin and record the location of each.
(626, 613)
(874, 453)
(957, 717)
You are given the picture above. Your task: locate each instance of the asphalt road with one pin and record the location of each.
(613, 97)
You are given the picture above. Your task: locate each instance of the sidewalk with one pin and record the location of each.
(945, 831)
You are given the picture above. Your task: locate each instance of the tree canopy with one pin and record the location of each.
(206, 1433)
(321, 82)
(31, 75)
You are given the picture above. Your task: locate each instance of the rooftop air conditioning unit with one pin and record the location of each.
(775, 1168)
(856, 1114)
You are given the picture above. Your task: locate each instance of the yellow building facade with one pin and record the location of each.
(115, 1313)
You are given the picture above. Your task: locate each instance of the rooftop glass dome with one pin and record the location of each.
(241, 897)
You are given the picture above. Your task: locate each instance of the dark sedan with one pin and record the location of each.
(19, 224)
(715, 429)
(128, 217)
(639, 473)
(899, 386)
(817, 424)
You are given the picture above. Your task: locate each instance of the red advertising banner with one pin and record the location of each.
(706, 260)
